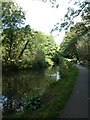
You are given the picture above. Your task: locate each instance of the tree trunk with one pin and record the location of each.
(23, 49)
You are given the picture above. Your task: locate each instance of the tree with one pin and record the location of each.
(12, 19)
(83, 7)
(43, 48)
(68, 47)
(82, 48)
(12, 15)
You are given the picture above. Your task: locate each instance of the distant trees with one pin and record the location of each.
(69, 48)
(75, 43)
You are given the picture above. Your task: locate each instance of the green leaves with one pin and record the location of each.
(75, 42)
(77, 9)
(12, 15)
(33, 103)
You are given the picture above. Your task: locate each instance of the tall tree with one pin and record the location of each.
(12, 19)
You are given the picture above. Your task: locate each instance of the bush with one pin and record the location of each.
(33, 103)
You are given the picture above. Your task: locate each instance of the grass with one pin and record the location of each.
(55, 96)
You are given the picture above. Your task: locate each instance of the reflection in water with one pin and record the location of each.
(57, 75)
(20, 86)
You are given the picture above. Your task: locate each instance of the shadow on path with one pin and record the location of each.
(77, 105)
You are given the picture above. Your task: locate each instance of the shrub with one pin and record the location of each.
(33, 103)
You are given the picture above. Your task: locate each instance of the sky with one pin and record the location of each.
(42, 17)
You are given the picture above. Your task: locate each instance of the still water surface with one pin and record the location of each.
(18, 86)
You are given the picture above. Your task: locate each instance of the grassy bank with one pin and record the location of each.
(55, 96)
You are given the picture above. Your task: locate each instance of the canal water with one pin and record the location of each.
(18, 86)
